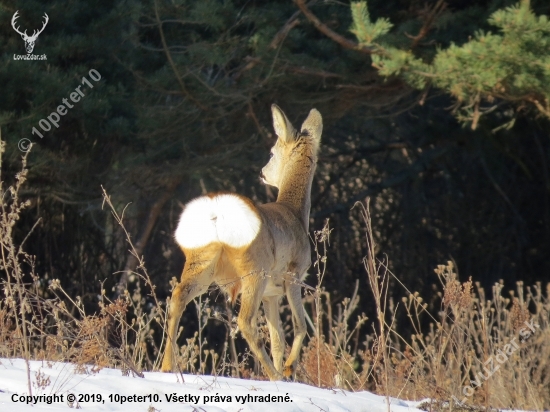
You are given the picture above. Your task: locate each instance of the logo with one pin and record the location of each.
(29, 40)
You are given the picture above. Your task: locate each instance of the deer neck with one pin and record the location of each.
(295, 190)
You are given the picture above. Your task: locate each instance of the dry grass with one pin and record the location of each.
(447, 358)
(481, 351)
(49, 324)
(474, 353)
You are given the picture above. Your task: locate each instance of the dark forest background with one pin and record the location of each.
(182, 108)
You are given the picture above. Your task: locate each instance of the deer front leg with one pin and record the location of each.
(294, 296)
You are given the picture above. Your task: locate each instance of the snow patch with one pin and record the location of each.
(112, 386)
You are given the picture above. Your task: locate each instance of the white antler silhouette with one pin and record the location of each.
(29, 40)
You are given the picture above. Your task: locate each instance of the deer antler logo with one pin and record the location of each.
(29, 40)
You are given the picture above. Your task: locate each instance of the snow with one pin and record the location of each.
(110, 382)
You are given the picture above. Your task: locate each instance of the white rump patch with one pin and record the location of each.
(224, 218)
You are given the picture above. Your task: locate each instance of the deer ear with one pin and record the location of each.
(313, 125)
(281, 124)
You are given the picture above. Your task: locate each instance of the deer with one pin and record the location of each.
(29, 40)
(260, 252)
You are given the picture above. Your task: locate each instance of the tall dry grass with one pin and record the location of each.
(472, 353)
(42, 321)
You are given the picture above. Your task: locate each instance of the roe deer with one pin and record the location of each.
(260, 252)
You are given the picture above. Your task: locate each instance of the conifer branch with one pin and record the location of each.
(312, 72)
(427, 26)
(173, 65)
(292, 22)
(341, 40)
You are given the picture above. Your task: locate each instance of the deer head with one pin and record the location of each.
(29, 40)
(287, 149)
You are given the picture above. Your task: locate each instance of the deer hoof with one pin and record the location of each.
(288, 372)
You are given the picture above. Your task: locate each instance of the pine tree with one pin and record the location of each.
(511, 65)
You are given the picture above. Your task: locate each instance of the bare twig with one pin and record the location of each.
(281, 34)
(173, 65)
(323, 28)
(436, 11)
(154, 213)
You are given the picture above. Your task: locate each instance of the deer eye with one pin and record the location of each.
(271, 154)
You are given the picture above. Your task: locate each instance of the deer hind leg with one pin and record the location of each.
(253, 287)
(271, 308)
(196, 277)
(294, 296)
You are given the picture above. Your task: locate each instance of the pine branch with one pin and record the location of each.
(289, 25)
(428, 23)
(173, 65)
(341, 40)
(364, 29)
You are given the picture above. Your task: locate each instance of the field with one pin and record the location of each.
(474, 354)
